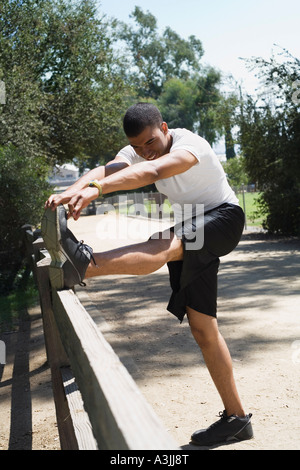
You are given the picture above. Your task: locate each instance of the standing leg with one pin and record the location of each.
(217, 358)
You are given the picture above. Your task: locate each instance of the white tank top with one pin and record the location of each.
(204, 183)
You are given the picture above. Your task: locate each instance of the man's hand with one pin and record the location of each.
(76, 201)
(81, 200)
(79, 195)
(57, 199)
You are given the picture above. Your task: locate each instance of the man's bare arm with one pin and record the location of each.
(135, 176)
(147, 172)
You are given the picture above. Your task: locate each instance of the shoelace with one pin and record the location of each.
(90, 250)
(222, 415)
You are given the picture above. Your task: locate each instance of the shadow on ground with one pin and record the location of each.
(23, 378)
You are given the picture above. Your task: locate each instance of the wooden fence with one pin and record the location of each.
(98, 404)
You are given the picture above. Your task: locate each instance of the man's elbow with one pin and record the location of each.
(152, 173)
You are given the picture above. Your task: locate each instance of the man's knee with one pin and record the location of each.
(168, 243)
(204, 328)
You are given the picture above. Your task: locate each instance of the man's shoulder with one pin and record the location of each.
(184, 138)
(127, 153)
(180, 131)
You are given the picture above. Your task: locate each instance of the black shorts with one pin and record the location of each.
(194, 279)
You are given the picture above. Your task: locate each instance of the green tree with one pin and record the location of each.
(270, 141)
(193, 104)
(156, 58)
(64, 88)
(64, 100)
(177, 103)
(167, 69)
(235, 171)
(207, 101)
(227, 111)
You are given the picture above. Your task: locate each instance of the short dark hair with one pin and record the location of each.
(139, 116)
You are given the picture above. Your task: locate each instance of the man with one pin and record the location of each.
(184, 167)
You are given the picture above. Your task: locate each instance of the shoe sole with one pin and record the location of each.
(50, 230)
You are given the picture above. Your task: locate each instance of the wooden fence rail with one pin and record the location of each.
(98, 404)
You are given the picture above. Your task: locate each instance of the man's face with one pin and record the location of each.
(152, 142)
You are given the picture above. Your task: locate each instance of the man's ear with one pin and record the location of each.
(164, 127)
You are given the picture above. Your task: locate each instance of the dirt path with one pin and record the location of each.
(259, 298)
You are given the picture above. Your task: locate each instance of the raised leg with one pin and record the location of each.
(140, 258)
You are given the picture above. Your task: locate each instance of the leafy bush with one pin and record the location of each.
(23, 190)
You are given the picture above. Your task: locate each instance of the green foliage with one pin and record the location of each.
(227, 112)
(23, 191)
(166, 69)
(177, 103)
(64, 89)
(65, 96)
(270, 141)
(193, 104)
(208, 101)
(236, 172)
(156, 58)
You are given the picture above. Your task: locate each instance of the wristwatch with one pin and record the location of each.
(95, 184)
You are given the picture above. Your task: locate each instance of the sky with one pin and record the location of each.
(229, 29)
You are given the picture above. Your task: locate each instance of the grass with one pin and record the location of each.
(14, 305)
(251, 207)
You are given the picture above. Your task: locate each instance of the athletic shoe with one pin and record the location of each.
(69, 257)
(226, 429)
